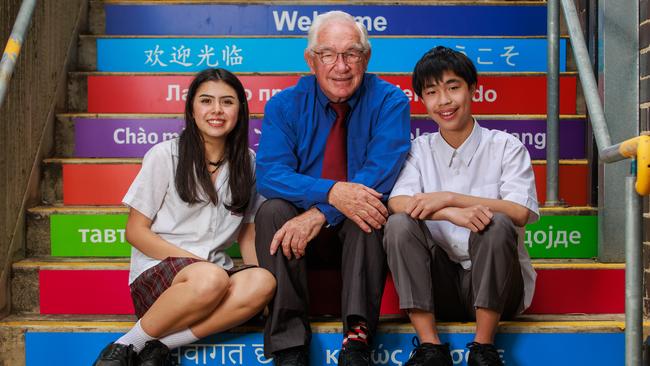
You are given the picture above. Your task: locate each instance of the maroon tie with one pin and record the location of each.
(335, 161)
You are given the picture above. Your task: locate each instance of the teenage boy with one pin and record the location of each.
(459, 205)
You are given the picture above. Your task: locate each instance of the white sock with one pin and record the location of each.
(179, 339)
(136, 336)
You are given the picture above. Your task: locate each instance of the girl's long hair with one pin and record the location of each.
(192, 175)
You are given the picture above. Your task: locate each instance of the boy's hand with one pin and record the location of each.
(475, 218)
(423, 205)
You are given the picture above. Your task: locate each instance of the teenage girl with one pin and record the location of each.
(194, 196)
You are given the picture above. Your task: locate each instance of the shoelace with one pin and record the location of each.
(420, 351)
(155, 349)
(357, 355)
(117, 352)
(354, 352)
(485, 352)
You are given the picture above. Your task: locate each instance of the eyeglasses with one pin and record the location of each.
(329, 57)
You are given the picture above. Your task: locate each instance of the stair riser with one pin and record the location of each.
(102, 235)
(106, 184)
(12, 346)
(234, 19)
(573, 184)
(559, 291)
(530, 349)
(496, 94)
(252, 54)
(133, 137)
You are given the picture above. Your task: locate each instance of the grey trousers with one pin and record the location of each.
(363, 269)
(426, 279)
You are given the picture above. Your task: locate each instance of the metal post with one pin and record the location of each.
(633, 275)
(552, 102)
(18, 32)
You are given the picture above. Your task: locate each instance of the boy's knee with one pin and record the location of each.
(501, 219)
(399, 223)
(501, 233)
(398, 231)
(502, 224)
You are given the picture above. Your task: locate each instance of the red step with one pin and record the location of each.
(561, 289)
(496, 93)
(106, 184)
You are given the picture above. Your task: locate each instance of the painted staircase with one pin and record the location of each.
(70, 293)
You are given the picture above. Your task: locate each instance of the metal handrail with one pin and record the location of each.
(12, 50)
(553, 105)
(638, 147)
(589, 85)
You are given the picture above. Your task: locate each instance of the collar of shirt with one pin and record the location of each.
(352, 101)
(465, 152)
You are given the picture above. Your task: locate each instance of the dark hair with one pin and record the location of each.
(192, 175)
(438, 60)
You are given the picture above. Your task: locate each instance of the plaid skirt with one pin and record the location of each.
(146, 289)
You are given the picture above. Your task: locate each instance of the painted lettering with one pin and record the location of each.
(174, 93)
(289, 20)
(107, 236)
(481, 95)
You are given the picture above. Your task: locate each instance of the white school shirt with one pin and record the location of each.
(202, 229)
(489, 164)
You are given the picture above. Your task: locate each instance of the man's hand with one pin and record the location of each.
(475, 218)
(296, 233)
(360, 204)
(422, 206)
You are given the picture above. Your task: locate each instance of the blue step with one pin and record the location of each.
(529, 343)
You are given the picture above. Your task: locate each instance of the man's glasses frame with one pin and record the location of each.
(329, 57)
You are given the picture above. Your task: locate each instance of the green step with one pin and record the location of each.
(99, 232)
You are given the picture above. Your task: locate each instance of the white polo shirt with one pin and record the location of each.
(489, 164)
(203, 229)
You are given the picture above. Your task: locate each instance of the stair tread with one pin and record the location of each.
(45, 210)
(259, 115)
(49, 262)
(423, 2)
(71, 210)
(284, 73)
(391, 324)
(283, 36)
(139, 160)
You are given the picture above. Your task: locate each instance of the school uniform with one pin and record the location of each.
(447, 269)
(203, 229)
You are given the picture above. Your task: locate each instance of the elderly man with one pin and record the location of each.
(331, 149)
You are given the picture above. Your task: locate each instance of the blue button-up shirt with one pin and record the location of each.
(297, 122)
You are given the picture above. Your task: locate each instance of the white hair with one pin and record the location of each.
(336, 16)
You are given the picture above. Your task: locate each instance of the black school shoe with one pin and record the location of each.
(116, 354)
(483, 355)
(354, 353)
(428, 354)
(295, 356)
(155, 353)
